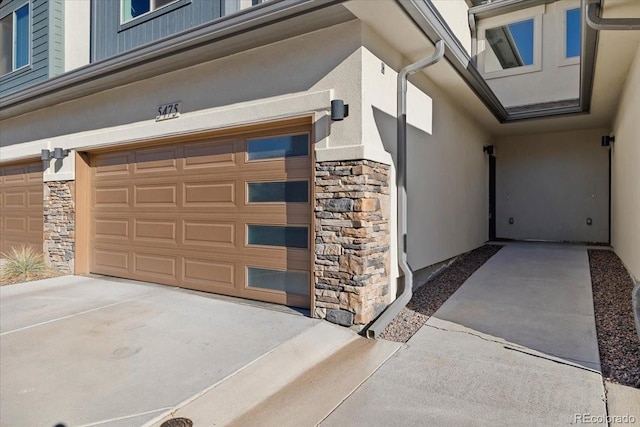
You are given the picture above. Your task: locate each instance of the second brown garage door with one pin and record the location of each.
(21, 206)
(226, 215)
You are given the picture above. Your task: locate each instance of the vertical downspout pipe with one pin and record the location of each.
(394, 308)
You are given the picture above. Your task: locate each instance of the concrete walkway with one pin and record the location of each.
(515, 345)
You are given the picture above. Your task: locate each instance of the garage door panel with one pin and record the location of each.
(110, 228)
(111, 261)
(209, 233)
(199, 155)
(154, 230)
(111, 197)
(35, 225)
(219, 194)
(15, 200)
(16, 224)
(15, 175)
(111, 165)
(156, 160)
(178, 215)
(34, 199)
(208, 272)
(157, 196)
(160, 267)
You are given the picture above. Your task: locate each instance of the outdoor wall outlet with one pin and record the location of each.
(511, 221)
(589, 221)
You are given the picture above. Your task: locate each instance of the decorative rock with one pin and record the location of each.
(341, 317)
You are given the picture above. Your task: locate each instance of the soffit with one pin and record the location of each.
(615, 53)
(389, 21)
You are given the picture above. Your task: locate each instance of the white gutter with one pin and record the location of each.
(401, 183)
(597, 23)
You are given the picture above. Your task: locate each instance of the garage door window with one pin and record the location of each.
(277, 147)
(273, 235)
(296, 282)
(290, 192)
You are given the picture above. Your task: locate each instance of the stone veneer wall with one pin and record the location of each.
(59, 225)
(352, 241)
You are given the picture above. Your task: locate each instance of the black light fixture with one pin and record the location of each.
(339, 110)
(488, 149)
(45, 155)
(607, 140)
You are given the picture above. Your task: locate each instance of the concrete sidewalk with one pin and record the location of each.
(515, 345)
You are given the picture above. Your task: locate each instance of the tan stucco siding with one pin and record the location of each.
(550, 184)
(625, 191)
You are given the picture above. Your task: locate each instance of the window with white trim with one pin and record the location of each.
(132, 9)
(510, 44)
(572, 29)
(14, 40)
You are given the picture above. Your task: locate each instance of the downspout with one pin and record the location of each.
(394, 308)
(597, 23)
(474, 38)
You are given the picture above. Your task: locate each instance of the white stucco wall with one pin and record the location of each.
(625, 188)
(554, 79)
(550, 184)
(447, 170)
(456, 14)
(275, 81)
(77, 36)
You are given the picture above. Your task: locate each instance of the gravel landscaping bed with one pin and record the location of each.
(428, 298)
(615, 324)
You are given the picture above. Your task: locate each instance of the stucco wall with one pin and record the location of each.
(550, 184)
(214, 94)
(447, 170)
(625, 197)
(455, 13)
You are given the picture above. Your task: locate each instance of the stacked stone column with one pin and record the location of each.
(352, 241)
(59, 225)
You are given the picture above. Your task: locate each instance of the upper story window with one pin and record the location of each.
(14, 40)
(134, 8)
(572, 33)
(510, 44)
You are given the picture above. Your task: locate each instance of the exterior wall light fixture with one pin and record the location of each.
(488, 149)
(339, 110)
(608, 140)
(57, 153)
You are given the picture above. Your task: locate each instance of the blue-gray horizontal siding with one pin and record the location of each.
(111, 38)
(38, 69)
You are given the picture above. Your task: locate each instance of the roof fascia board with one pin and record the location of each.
(489, 10)
(51, 91)
(426, 17)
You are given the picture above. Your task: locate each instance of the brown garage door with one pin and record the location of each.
(21, 205)
(226, 215)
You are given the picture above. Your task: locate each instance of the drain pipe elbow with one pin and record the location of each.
(403, 298)
(599, 24)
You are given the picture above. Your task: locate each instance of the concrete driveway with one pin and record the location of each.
(93, 351)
